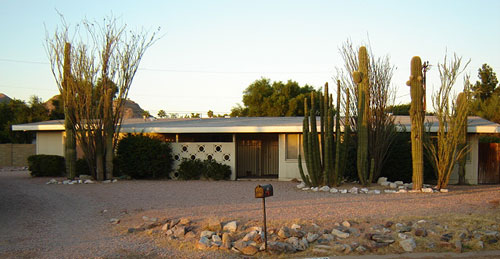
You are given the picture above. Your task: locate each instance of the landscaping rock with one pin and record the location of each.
(214, 224)
(346, 224)
(207, 233)
(294, 241)
(114, 221)
(364, 190)
(295, 226)
(443, 190)
(353, 190)
(408, 244)
(382, 238)
(381, 180)
(301, 185)
(250, 236)
(404, 229)
(179, 231)
(284, 232)
(402, 236)
(388, 224)
(339, 233)
(311, 237)
(343, 191)
(385, 184)
(393, 185)
(231, 226)
(327, 237)
(420, 232)
(458, 246)
(334, 190)
(226, 241)
(184, 221)
(249, 250)
(360, 249)
(374, 192)
(446, 237)
(427, 190)
(203, 243)
(88, 182)
(314, 189)
(306, 189)
(399, 182)
(324, 189)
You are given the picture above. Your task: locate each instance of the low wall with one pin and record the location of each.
(16, 154)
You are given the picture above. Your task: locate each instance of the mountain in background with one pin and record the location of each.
(4, 98)
(132, 109)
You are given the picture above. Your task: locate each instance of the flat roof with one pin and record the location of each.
(244, 125)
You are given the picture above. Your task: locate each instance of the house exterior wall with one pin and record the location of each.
(288, 168)
(471, 166)
(223, 152)
(50, 143)
(16, 154)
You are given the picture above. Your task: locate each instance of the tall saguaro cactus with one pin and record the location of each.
(417, 116)
(362, 79)
(70, 141)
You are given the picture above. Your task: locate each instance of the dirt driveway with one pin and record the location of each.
(72, 221)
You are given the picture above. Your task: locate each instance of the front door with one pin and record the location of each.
(257, 156)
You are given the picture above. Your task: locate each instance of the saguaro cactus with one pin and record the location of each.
(70, 141)
(462, 104)
(361, 78)
(417, 116)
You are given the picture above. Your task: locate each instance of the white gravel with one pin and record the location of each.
(67, 221)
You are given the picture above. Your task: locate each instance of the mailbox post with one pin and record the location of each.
(263, 191)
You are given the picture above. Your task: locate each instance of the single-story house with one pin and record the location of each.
(254, 147)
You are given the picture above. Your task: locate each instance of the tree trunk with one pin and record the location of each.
(70, 141)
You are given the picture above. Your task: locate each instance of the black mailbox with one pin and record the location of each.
(263, 191)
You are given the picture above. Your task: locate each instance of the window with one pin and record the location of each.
(292, 146)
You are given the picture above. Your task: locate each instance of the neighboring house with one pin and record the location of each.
(254, 147)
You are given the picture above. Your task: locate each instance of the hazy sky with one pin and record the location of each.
(212, 50)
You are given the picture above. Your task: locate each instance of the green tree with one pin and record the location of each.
(487, 85)
(277, 99)
(486, 93)
(210, 114)
(162, 114)
(400, 109)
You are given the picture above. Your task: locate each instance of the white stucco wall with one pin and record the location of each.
(471, 166)
(224, 153)
(288, 168)
(50, 143)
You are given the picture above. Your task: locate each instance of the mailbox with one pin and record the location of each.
(263, 191)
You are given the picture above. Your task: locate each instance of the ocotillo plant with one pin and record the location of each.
(417, 116)
(362, 79)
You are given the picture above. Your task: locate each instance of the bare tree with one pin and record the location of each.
(103, 58)
(380, 124)
(447, 148)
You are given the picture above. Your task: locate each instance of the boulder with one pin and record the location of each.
(231, 226)
(408, 244)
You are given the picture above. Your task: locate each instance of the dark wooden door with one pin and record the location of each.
(489, 163)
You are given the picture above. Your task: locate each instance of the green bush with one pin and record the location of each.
(210, 169)
(140, 156)
(46, 165)
(190, 169)
(216, 171)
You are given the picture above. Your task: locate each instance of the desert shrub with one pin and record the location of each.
(190, 169)
(46, 165)
(216, 171)
(140, 156)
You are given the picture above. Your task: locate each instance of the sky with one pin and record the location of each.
(211, 51)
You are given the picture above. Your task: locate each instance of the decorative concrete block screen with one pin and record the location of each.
(223, 153)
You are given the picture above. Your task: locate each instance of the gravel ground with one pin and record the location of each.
(67, 221)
